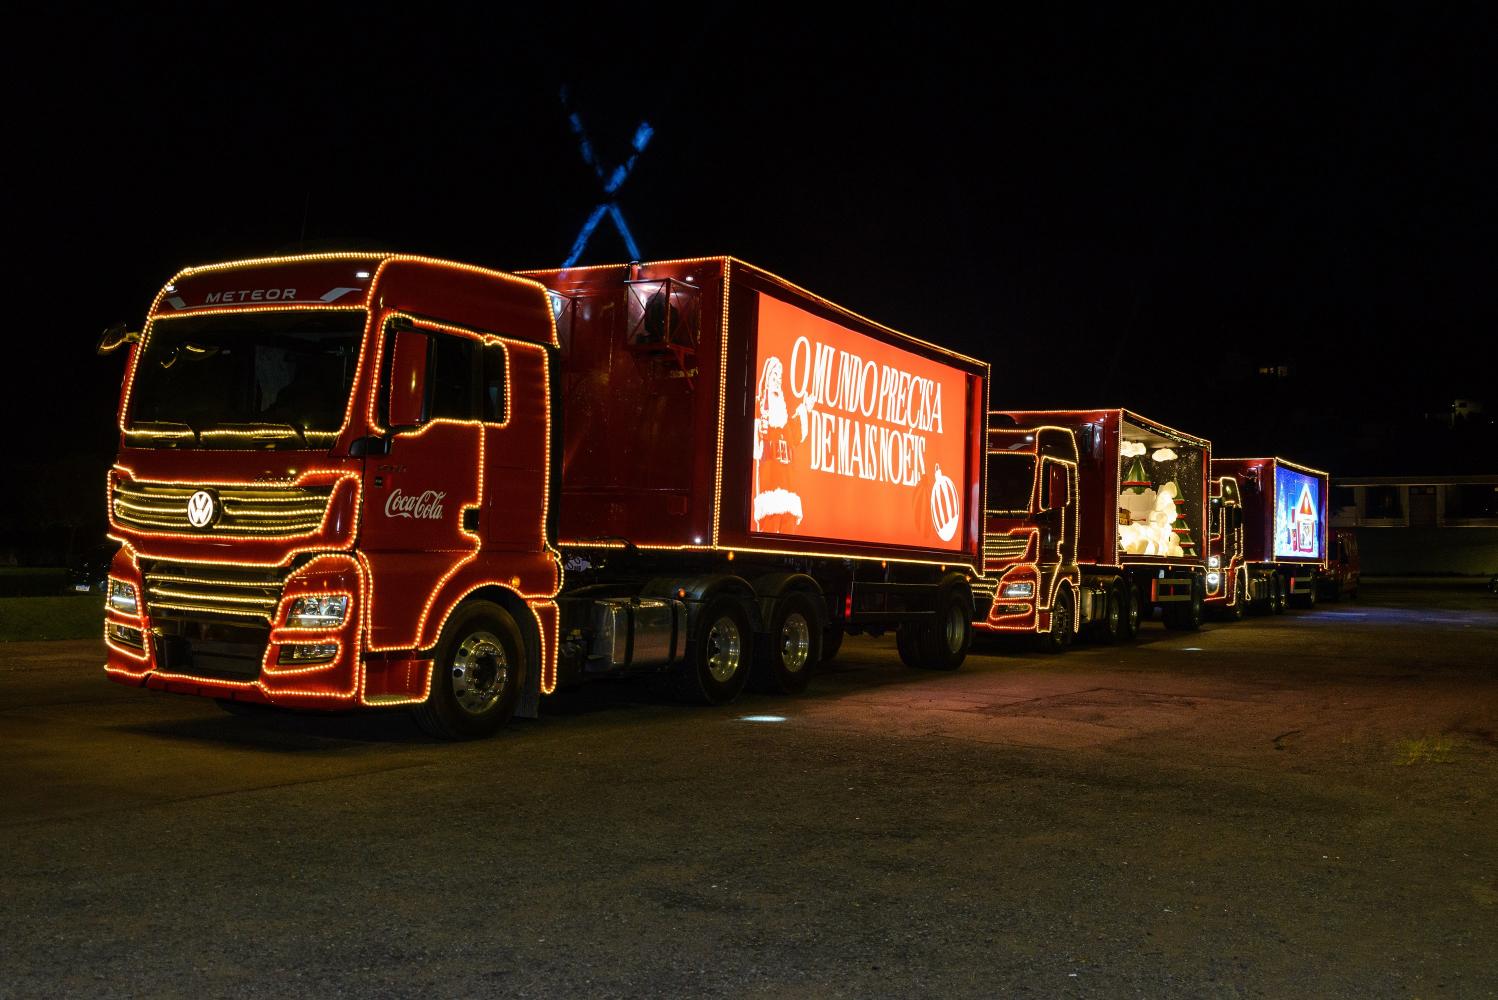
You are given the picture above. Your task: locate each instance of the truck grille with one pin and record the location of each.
(984, 587)
(230, 594)
(1004, 548)
(260, 512)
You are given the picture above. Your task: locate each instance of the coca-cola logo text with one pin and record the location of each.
(427, 506)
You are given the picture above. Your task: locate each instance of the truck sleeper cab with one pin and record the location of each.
(375, 480)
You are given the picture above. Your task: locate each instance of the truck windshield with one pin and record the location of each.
(274, 379)
(1011, 480)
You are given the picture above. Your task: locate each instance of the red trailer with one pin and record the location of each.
(1095, 519)
(360, 480)
(1268, 542)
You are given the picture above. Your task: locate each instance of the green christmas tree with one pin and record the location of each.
(1136, 480)
(1183, 530)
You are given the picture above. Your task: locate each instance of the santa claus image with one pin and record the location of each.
(776, 509)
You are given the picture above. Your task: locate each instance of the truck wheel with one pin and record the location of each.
(1280, 600)
(718, 653)
(477, 670)
(1063, 623)
(944, 642)
(793, 646)
(1128, 621)
(832, 641)
(908, 642)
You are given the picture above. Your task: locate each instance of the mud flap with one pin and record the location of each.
(529, 706)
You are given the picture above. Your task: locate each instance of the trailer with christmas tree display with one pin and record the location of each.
(1267, 545)
(1095, 519)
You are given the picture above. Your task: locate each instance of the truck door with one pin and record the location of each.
(422, 497)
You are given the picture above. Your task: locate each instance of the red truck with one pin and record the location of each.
(1095, 519)
(367, 480)
(1268, 535)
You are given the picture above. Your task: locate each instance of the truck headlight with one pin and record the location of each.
(1019, 590)
(1214, 561)
(318, 611)
(122, 597)
(1213, 579)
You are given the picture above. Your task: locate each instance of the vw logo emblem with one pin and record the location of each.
(202, 509)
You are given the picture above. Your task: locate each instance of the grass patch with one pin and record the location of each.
(1425, 750)
(23, 618)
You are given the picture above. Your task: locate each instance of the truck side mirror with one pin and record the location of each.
(116, 336)
(408, 379)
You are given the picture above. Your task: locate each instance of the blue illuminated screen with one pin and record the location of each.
(1297, 515)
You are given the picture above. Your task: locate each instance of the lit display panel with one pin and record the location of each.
(854, 439)
(1297, 515)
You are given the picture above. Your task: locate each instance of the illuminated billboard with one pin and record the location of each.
(855, 439)
(1297, 515)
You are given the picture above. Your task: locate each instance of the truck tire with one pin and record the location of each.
(1128, 621)
(945, 642)
(793, 646)
(719, 652)
(1063, 623)
(1115, 624)
(908, 643)
(1277, 594)
(478, 667)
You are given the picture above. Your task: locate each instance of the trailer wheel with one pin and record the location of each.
(1063, 623)
(907, 641)
(1125, 599)
(718, 653)
(943, 643)
(1277, 595)
(793, 647)
(1115, 624)
(477, 670)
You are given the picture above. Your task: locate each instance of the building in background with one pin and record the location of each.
(1421, 524)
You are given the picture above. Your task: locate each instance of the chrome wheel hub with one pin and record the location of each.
(795, 642)
(480, 672)
(724, 649)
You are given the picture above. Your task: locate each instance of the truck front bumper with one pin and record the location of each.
(183, 638)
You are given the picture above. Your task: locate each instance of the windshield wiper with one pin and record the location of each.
(171, 430)
(257, 432)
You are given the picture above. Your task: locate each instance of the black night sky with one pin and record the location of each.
(1116, 207)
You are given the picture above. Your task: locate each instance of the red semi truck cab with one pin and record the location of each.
(350, 480)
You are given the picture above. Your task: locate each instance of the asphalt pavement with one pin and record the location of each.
(1303, 805)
